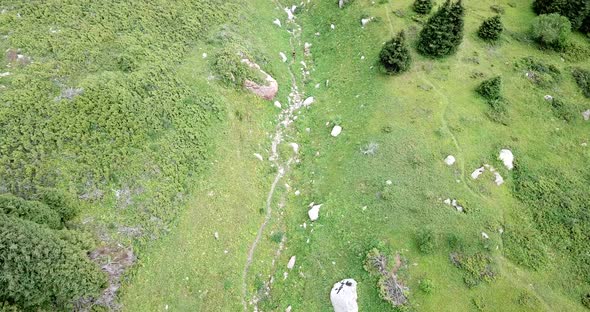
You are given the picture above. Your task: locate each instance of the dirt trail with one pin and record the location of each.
(284, 120)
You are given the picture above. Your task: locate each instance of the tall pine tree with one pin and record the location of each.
(443, 33)
(395, 55)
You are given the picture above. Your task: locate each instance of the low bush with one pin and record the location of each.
(563, 110)
(551, 30)
(426, 286)
(575, 52)
(525, 247)
(491, 29)
(478, 267)
(491, 89)
(29, 210)
(395, 55)
(582, 77)
(426, 241)
(541, 74)
(42, 271)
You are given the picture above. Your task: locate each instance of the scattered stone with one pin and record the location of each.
(341, 3)
(344, 296)
(336, 131)
(283, 57)
(447, 201)
(278, 104)
(288, 309)
(484, 235)
(69, 93)
(450, 160)
(290, 15)
(259, 156)
(475, 174)
(307, 49)
(586, 115)
(499, 180)
(388, 182)
(366, 21)
(308, 101)
(332, 26)
(6, 74)
(216, 235)
(204, 55)
(314, 212)
(297, 193)
(291, 263)
(507, 158)
(295, 147)
(277, 22)
(548, 97)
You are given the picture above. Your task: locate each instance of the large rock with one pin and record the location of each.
(343, 296)
(507, 158)
(314, 212)
(267, 91)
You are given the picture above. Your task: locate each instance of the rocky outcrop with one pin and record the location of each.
(267, 91)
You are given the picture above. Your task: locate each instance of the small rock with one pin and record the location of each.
(447, 201)
(388, 182)
(332, 26)
(586, 115)
(336, 131)
(548, 97)
(216, 235)
(344, 296)
(277, 22)
(308, 101)
(278, 104)
(484, 235)
(314, 212)
(290, 15)
(366, 21)
(450, 160)
(291, 263)
(507, 158)
(295, 147)
(6, 74)
(475, 174)
(499, 180)
(204, 55)
(258, 156)
(288, 309)
(283, 57)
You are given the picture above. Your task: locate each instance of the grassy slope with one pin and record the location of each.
(423, 126)
(189, 270)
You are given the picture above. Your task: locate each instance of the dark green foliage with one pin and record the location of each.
(228, 65)
(577, 11)
(582, 77)
(525, 246)
(491, 29)
(422, 6)
(443, 33)
(491, 89)
(29, 210)
(59, 201)
(586, 300)
(426, 241)
(576, 52)
(39, 269)
(551, 31)
(395, 55)
(559, 208)
(426, 286)
(478, 267)
(585, 28)
(563, 110)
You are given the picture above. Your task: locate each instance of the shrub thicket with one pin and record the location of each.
(395, 55)
(577, 11)
(422, 6)
(426, 241)
(551, 30)
(40, 270)
(525, 246)
(491, 29)
(491, 89)
(29, 210)
(582, 77)
(478, 267)
(443, 32)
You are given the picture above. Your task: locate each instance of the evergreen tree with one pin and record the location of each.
(443, 33)
(491, 29)
(422, 6)
(575, 10)
(585, 29)
(395, 55)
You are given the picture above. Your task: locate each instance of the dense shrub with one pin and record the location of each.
(395, 55)
(525, 246)
(59, 201)
(443, 32)
(577, 11)
(228, 65)
(491, 89)
(422, 6)
(582, 77)
(551, 30)
(426, 241)
(426, 286)
(29, 210)
(491, 29)
(40, 270)
(478, 267)
(576, 52)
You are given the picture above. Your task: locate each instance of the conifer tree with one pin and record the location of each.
(395, 55)
(491, 29)
(443, 33)
(422, 6)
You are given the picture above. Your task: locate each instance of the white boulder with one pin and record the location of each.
(291, 263)
(336, 131)
(507, 158)
(450, 160)
(277, 22)
(475, 174)
(314, 212)
(343, 296)
(499, 180)
(308, 101)
(283, 57)
(548, 97)
(586, 115)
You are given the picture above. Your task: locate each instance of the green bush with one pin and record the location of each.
(426, 286)
(59, 201)
(443, 32)
(395, 55)
(577, 11)
(539, 73)
(582, 78)
(551, 30)
(426, 241)
(576, 52)
(40, 270)
(422, 6)
(491, 89)
(525, 246)
(491, 29)
(478, 267)
(29, 210)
